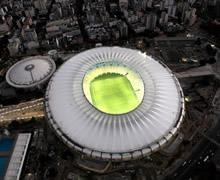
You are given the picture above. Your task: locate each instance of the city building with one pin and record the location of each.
(151, 21)
(164, 18)
(4, 28)
(123, 29)
(40, 4)
(29, 34)
(64, 28)
(13, 46)
(123, 4)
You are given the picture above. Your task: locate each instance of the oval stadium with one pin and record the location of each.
(30, 72)
(114, 103)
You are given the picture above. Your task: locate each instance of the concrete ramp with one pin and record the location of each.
(196, 72)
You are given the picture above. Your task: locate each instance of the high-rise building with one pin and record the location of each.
(172, 11)
(169, 3)
(123, 4)
(29, 34)
(4, 28)
(162, 5)
(2, 12)
(142, 4)
(18, 4)
(164, 18)
(13, 46)
(217, 10)
(212, 2)
(149, 3)
(40, 4)
(27, 3)
(29, 11)
(151, 21)
(191, 2)
(189, 16)
(123, 29)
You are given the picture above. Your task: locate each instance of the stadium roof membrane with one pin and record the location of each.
(125, 136)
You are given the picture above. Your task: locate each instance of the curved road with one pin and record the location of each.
(22, 111)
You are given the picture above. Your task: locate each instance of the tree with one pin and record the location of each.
(198, 41)
(210, 50)
(14, 124)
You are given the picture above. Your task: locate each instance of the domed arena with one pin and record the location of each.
(30, 72)
(114, 103)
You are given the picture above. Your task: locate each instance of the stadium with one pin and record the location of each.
(114, 103)
(31, 72)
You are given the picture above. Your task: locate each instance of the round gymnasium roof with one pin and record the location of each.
(30, 72)
(122, 136)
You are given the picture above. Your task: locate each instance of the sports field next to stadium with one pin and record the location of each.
(113, 93)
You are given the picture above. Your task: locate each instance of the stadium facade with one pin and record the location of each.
(74, 115)
(31, 72)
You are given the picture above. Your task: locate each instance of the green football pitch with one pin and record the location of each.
(113, 93)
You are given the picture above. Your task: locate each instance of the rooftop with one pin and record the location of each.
(30, 72)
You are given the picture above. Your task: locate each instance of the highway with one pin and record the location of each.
(196, 72)
(201, 153)
(22, 111)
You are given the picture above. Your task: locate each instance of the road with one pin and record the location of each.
(201, 153)
(22, 111)
(196, 72)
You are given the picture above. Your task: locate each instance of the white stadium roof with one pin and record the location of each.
(118, 137)
(30, 72)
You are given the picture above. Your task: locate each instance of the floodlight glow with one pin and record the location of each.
(113, 89)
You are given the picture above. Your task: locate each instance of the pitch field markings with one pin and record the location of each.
(113, 93)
